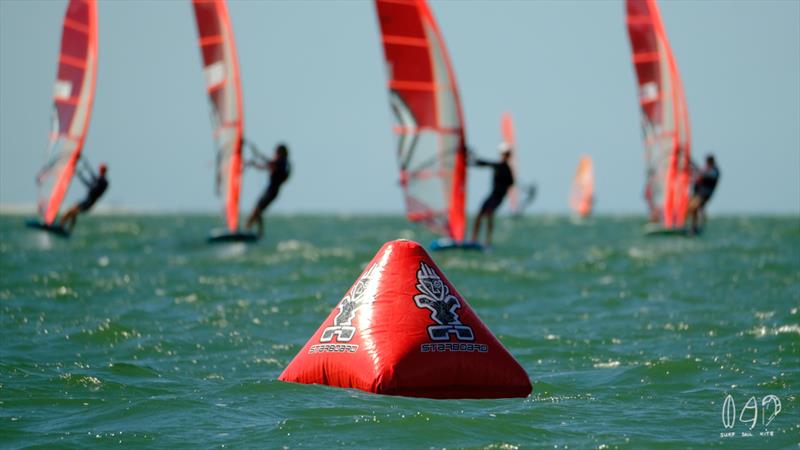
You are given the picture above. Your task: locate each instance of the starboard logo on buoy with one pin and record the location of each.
(435, 296)
(343, 329)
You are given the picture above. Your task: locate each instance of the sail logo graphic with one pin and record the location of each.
(343, 327)
(62, 89)
(648, 92)
(435, 296)
(215, 74)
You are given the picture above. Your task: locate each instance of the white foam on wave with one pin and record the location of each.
(606, 365)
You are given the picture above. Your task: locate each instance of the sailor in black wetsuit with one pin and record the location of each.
(502, 180)
(704, 184)
(279, 170)
(97, 185)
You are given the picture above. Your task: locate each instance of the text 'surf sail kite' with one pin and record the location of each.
(431, 149)
(581, 196)
(665, 121)
(73, 95)
(221, 68)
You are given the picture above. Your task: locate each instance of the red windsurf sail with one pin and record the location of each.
(581, 197)
(221, 69)
(507, 131)
(431, 149)
(665, 120)
(73, 95)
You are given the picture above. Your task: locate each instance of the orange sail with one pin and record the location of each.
(581, 197)
(507, 131)
(73, 96)
(431, 149)
(665, 120)
(221, 69)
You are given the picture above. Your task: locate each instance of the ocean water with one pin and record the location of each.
(136, 332)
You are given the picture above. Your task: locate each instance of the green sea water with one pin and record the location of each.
(137, 332)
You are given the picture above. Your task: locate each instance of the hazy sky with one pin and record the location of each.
(313, 75)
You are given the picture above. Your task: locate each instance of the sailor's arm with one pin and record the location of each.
(86, 181)
(483, 163)
(257, 164)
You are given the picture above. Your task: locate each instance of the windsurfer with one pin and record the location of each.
(502, 180)
(279, 171)
(96, 184)
(705, 181)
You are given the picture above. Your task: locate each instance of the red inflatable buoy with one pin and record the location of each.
(403, 329)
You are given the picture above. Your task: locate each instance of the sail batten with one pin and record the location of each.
(73, 96)
(431, 149)
(665, 122)
(221, 71)
(405, 40)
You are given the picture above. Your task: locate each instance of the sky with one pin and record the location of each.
(313, 76)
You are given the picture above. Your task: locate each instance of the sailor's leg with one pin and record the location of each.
(701, 214)
(250, 220)
(73, 218)
(255, 215)
(67, 216)
(269, 197)
(476, 228)
(259, 225)
(68, 220)
(693, 209)
(489, 228)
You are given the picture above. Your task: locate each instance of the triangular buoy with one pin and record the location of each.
(403, 329)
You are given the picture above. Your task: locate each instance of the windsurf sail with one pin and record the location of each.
(431, 149)
(665, 120)
(221, 70)
(507, 131)
(73, 95)
(581, 196)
